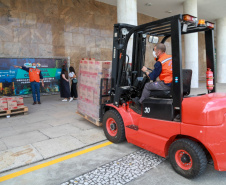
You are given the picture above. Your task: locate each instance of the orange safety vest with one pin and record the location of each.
(167, 74)
(34, 75)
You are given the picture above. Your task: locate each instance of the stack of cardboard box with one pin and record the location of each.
(11, 103)
(89, 85)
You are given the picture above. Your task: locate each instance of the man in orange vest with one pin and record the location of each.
(35, 75)
(162, 69)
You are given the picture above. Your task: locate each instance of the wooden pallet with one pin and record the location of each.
(95, 122)
(21, 110)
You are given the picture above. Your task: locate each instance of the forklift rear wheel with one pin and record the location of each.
(113, 126)
(187, 158)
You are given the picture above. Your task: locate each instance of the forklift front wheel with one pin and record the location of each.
(187, 158)
(113, 126)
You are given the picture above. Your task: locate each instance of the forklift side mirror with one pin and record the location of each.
(153, 39)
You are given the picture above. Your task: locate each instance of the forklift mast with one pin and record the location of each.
(119, 66)
(123, 77)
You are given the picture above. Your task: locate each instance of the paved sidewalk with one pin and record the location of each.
(50, 129)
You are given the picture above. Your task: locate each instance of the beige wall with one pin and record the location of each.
(46, 28)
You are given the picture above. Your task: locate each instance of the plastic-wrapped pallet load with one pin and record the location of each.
(89, 85)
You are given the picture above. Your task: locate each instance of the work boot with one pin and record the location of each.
(137, 103)
(177, 118)
(39, 102)
(34, 103)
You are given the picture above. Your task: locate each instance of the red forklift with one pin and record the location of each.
(189, 130)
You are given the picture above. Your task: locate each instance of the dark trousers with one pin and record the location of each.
(74, 90)
(35, 88)
(160, 85)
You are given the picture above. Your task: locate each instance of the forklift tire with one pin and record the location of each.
(187, 158)
(113, 126)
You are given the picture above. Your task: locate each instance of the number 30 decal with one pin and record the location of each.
(147, 110)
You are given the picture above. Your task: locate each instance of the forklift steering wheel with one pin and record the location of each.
(145, 73)
(149, 70)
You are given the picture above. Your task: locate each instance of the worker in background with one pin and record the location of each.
(34, 75)
(162, 69)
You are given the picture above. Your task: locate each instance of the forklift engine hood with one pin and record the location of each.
(205, 110)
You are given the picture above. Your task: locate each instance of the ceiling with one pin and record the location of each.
(207, 9)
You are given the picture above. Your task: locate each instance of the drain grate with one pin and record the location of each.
(121, 171)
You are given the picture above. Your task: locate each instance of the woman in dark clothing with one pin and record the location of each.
(74, 81)
(64, 85)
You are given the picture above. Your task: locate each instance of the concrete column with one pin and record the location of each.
(191, 45)
(221, 50)
(127, 13)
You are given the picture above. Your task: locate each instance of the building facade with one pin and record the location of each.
(67, 28)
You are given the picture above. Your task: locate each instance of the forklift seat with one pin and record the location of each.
(187, 74)
(161, 94)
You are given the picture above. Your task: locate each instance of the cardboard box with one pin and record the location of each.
(3, 104)
(82, 79)
(20, 105)
(93, 81)
(9, 98)
(86, 66)
(20, 100)
(96, 100)
(90, 94)
(88, 80)
(100, 66)
(3, 99)
(81, 107)
(12, 104)
(94, 111)
(80, 96)
(91, 67)
(81, 66)
(83, 92)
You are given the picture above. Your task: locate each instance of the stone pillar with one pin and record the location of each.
(221, 50)
(191, 45)
(127, 13)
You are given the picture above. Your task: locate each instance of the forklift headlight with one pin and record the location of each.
(124, 31)
(144, 36)
(210, 24)
(153, 39)
(189, 18)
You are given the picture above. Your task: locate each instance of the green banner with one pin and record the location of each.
(46, 73)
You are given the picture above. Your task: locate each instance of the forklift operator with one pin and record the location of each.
(162, 69)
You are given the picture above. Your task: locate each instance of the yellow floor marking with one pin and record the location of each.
(43, 165)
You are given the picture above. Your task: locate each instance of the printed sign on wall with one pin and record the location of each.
(15, 81)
